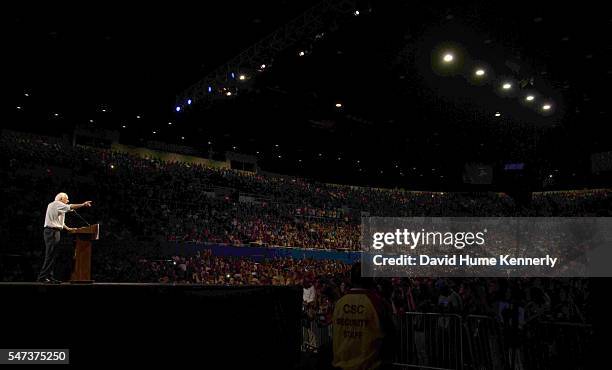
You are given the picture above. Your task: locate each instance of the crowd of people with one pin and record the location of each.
(143, 201)
(325, 281)
(147, 198)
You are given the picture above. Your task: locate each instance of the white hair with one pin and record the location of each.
(59, 196)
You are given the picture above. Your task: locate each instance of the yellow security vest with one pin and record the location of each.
(357, 332)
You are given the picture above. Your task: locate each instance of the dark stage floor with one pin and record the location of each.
(112, 323)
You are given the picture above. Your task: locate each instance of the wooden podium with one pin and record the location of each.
(81, 273)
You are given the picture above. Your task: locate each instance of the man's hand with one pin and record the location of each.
(69, 229)
(87, 204)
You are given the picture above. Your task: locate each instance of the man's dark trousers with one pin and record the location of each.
(52, 239)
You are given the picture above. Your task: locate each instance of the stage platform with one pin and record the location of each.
(105, 323)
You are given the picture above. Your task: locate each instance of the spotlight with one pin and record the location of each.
(530, 98)
(169, 123)
(448, 58)
(233, 75)
(56, 114)
(188, 101)
(497, 114)
(480, 72)
(182, 137)
(546, 107)
(209, 89)
(138, 117)
(356, 13)
(242, 77)
(338, 105)
(112, 166)
(178, 109)
(123, 126)
(26, 95)
(229, 93)
(507, 86)
(301, 53)
(103, 110)
(91, 121)
(18, 107)
(263, 66)
(155, 132)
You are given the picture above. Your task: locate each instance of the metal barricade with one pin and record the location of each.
(430, 340)
(485, 347)
(555, 345)
(315, 336)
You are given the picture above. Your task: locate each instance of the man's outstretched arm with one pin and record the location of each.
(84, 204)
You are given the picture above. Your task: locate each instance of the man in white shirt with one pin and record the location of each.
(54, 223)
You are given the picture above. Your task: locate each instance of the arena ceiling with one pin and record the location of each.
(371, 101)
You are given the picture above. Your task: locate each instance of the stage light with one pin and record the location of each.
(178, 109)
(263, 66)
(480, 72)
(257, 152)
(279, 157)
(507, 86)
(301, 53)
(56, 114)
(229, 93)
(155, 132)
(276, 145)
(91, 121)
(169, 123)
(233, 147)
(338, 105)
(103, 110)
(546, 107)
(242, 77)
(448, 58)
(529, 97)
(182, 137)
(188, 101)
(138, 117)
(299, 160)
(18, 107)
(112, 166)
(497, 114)
(209, 89)
(209, 143)
(356, 13)
(123, 126)
(233, 75)
(26, 95)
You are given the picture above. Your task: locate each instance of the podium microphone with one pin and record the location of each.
(76, 213)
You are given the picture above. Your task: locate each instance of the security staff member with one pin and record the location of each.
(362, 327)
